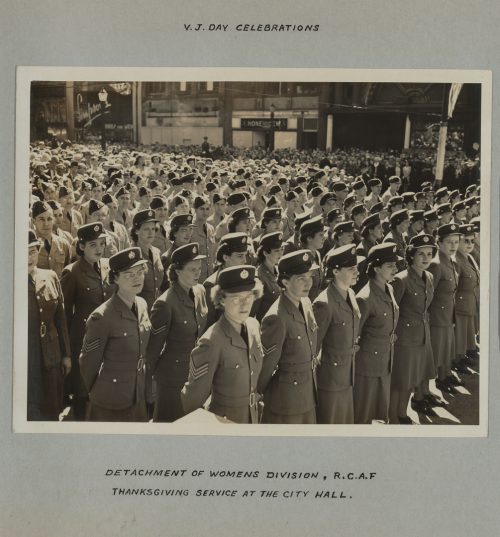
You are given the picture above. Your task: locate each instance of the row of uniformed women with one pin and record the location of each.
(175, 331)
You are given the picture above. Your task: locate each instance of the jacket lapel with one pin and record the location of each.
(229, 330)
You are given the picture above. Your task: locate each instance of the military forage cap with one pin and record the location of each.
(430, 216)
(333, 214)
(302, 217)
(234, 242)
(370, 222)
(90, 232)
(416, 216)
(295, 263)
(339, 186)
(242, 213)
(344, 227)
(108, 198)
(312, 226)
(271, 241)
(467, 229)
(377, 207)
(398, 217)
(394, 179)
(345, 256)
(157, 202)
(359, 208)
(95, 205)
(476, 222)
(126, 259)
(374, 182)
(141, 217)
(237, 279)
(199, 201)
(443, 209)
(421, 241)
(383, 253)
(358, 184)
(39, 207)
(448, 229)
(188, 252)
(236, 198)
(460, 206)
(180, 220)
(271, 214)
(327, 196)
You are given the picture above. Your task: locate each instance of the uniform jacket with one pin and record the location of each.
(467, 295)
(204, 235)
(288, 226)
(58, 257)
(54, 339)
(121, 232)
(289, 341)
(224, 365)
(442, 308)
(153, 277)
(177, 322)
(400, 243)
(112, 361)
(71, 222)
(414, 296)
(84, 290)
(338, 331)
(379, 318)
(208, 284)
(125, 217)
(258, 206)
(271, 290)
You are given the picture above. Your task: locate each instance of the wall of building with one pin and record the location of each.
(180, 135)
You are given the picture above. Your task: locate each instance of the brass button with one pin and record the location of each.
(335, 364)
(298, 337)
(88, 288)
(407, 324)
(237, 366)
(124, 333)
(114, 380)
(343, 324)
(185, 322)
(376, 352)
(295, 383)
(385, 314)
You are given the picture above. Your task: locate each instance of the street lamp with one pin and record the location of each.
(103, 99)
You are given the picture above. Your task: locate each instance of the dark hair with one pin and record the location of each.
(260, 253)
(112, 276)
(370, 271)
(79, 251)
(171, 271)
(231, 225)
(133, 234)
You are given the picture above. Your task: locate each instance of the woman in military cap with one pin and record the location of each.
(379, 317)
(161, 240)
(85, 286)
(289, 334)
(232, 251)
(466, 300)
(413, 365)
(269, 253)
(333, 217)
(343, 233)
(48, 341)
(99, 212)
(399, 222)
(112, 361)
(312, 237)
(337, 315)
(178, 319)
(143, 234)
(293, 243)
(180, 234)
(227, 359)
(442, 308)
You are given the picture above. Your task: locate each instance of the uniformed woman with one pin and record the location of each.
(337, 315)
(413, 365)
(467, 299)
(379, 317)
(312, 237)
(178, 319)
(85, 286)
(269, 253)
(143, 234)
(442, 308)
(232, 251)
(112, 361)
(181, 231)
(48, 341)
(227, 360)
(289, 333)
(399, 223)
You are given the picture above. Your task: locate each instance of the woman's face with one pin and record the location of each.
(422, 258)
(44, 224)
(299, 285)
(274, 256)
(273, 225)
(449, 245)
(237, 306)
(146, 233)
(347, 276)
(32, 258)
(102, 215)
(387, 271)
(316, 241)
(403, 227)
(235, 259)
(131, 281)
(161, 213)
(182, 208)
(93, 250)
(190, 274)
(183, 235)
(244, 226)
(466, 244)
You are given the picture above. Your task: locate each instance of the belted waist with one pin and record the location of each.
(300, 367)
(236, 401)
(331, 354)
(124, 366)
(413, 317)
(382, 338)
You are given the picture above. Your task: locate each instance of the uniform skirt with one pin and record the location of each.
(465, 333)
(412, 366)
(371, 398)
(443, 346)
(335, 406)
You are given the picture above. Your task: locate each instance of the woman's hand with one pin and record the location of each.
(66, 366)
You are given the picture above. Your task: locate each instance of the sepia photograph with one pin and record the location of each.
(268, 248)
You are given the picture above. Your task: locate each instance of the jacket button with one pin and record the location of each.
(41, 310)
(460, 297)
(177, 361)
(88, 288)
(237, 366)
(124, 333)
(114, 380)
(295, 383)
(442, 307)
(407, 324)
(335, 364)
(185, 322)
(385, 314)
(104, 294)
(416, 294)
(343, 324)
(298, 337)
(376, 352)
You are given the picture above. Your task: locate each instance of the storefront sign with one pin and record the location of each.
(255, 123)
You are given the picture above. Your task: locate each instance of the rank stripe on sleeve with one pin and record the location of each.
(197, 372)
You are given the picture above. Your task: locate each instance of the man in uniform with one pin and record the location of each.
(204, 235)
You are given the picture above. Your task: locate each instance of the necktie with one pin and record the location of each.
(124, 215)
(96, 268)
(112, 225)
(244, 333)
(134, 309)
(70, 218)
(46, 245)
(301, 309)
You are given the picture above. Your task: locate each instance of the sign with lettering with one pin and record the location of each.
(89, 109)
(256, 123)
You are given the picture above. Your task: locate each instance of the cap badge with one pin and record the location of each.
(280, 236)
(189, 217)
(453, 227)
(353, 251)
(426, 239)
(131, 255)
(194, 249)
(305, 257)
(150, 213)
(244, 274)
(96, 228)
(394, 249)
(243, 240)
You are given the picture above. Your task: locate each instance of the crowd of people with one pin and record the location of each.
(290, 286)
